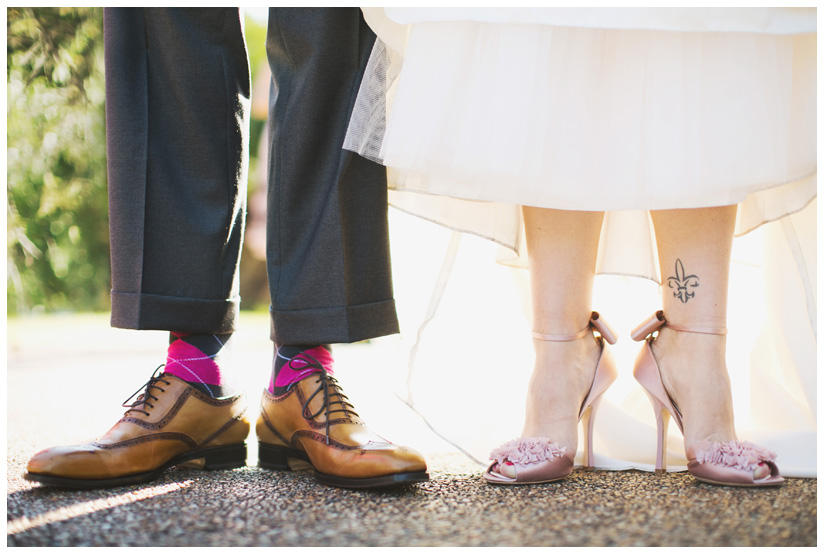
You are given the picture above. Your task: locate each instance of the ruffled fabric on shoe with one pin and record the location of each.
(528, 450)
(741, 455)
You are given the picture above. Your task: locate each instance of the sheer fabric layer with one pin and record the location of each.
(521, 115)
(475, 118)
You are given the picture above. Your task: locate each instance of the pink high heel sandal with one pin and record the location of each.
(537, 460)
(725, 464)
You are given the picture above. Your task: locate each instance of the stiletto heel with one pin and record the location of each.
(538, 460)
(588, 420)
(662, 420)
(727, 464)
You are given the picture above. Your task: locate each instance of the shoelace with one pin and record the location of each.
(144, 393)
(328, 385)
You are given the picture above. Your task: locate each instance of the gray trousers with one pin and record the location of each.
(177, 98)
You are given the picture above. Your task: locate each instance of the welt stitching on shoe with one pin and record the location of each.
(144, 439)
(233, 420)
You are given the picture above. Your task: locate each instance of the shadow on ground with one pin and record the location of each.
(256, 507)
(67, 389)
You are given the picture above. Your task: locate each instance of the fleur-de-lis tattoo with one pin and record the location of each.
(682, 283)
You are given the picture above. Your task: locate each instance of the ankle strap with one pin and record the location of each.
(658, 321)
(596, 323)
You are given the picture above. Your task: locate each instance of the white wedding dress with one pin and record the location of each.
(478, 111)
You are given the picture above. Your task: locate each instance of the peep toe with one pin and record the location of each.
(722, 463)
(538, 460)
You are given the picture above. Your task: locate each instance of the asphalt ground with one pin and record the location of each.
(67, 375)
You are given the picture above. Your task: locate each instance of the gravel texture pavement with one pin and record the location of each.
(255, 507)
(70, 391)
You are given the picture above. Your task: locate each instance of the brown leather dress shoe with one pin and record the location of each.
(170, 423)
(314, 422)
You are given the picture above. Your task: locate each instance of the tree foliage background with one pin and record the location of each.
(57, 227)
(57, 214)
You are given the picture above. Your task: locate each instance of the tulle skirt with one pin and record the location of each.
(590, 119)
(474, 118)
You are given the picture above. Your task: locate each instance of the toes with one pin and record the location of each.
(762, 471)
(507, 469)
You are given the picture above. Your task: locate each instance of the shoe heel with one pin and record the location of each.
(272, 457)
(647, 373)
(662, 421)
(225, 458)
(275, 457)
(588, 419)
(605, 376)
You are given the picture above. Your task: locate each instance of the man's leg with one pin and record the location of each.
(327, 252)
(328, 241)
(177, 87)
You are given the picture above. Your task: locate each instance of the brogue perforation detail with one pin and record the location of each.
(311, 419)
(215, 402)
(325, 383)
(166, 419)
(232, 421)
(144, 439)
(271, 427)
(188, 392)
(321, 438)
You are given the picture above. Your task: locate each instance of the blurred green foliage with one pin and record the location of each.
(57, 228)
(255, 35)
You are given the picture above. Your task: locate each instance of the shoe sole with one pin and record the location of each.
(771, 484)
(515, 483)
(226, 457)
(274, 457)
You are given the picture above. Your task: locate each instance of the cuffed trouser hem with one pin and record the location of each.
(334, 325)
(139, 311)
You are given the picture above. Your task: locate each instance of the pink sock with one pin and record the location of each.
(294, 363)
(193, 358)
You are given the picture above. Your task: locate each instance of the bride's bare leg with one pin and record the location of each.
(562, 247)
(694, 252)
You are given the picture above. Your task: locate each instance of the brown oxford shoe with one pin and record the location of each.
(170, 423)
(314, 422)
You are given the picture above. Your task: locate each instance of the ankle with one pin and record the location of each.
(293, 363)
(567, 358)
(200, 360)
(672, 347)
(561, 379)
(694, 374)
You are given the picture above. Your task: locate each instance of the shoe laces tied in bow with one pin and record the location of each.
(144, 395)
